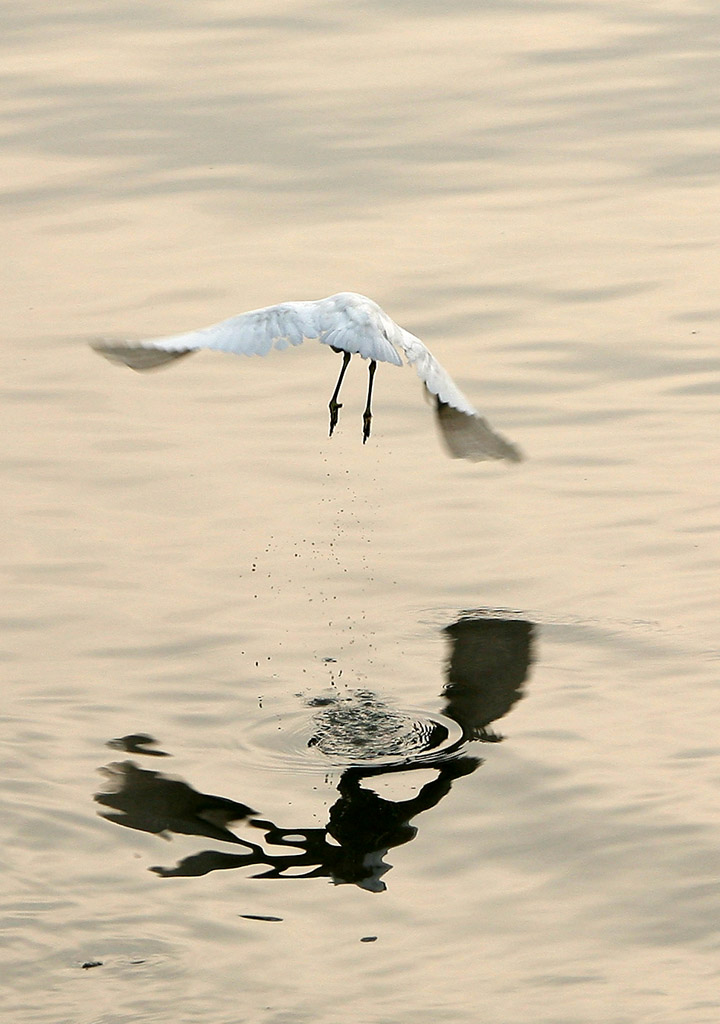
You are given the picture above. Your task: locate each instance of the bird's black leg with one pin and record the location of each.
(334, 406)
(367, 415)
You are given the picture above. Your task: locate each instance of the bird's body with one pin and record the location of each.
(350, 324)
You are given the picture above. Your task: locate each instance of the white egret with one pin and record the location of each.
(350, 324)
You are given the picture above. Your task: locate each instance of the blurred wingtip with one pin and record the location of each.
(136, 357)
(471, 437)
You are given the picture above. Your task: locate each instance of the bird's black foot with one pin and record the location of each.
(367, 421)
(334, 408)
(367, 415)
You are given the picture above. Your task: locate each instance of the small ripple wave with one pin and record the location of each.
(355, 729)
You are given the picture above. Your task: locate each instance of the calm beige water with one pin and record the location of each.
(533, 189)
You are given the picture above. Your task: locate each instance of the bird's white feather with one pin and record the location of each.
(434, 376)
(348, 322)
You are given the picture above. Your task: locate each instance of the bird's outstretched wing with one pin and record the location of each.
(467, 435)
(346, 321)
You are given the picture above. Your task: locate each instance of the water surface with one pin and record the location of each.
(530, 188)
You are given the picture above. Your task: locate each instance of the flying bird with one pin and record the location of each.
(349, 324)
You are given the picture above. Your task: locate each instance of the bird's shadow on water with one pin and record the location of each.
(488, 662)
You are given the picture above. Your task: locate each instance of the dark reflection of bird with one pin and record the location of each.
(153, 802)
(137, 743)
(350, 324)
(489, 660)
(488, 663)
(362, 826)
